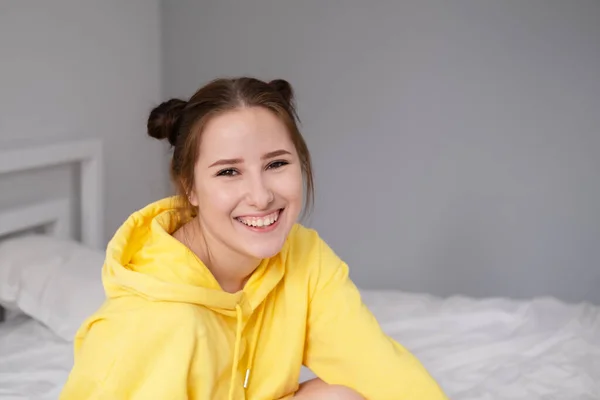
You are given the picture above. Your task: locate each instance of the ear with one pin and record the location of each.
(193, 198)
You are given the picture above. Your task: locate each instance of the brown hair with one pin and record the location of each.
(181, 123)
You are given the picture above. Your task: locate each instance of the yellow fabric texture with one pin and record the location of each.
(168, 331)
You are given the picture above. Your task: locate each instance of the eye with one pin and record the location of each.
(277, 164)
(227, 172)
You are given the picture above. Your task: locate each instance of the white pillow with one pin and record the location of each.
(55, 281)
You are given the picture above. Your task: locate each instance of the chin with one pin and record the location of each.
(265, 250)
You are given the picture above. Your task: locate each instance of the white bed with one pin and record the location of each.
(493, 349)
(48, 280)
(477, 349)
(34, 362)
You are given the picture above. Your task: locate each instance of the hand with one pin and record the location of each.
(316, 389)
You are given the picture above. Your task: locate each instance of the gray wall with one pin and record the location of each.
(456, 144)
(81, 69)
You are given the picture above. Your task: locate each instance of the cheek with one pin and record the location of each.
(290, 185)
(215, 198)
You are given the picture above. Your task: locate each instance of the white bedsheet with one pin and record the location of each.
(477, 349)
(498, 348)
(34, 363)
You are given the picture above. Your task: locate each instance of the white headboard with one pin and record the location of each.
(56, 213)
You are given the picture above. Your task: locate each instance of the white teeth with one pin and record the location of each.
(260, 222)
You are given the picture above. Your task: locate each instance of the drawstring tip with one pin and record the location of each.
(246, 379)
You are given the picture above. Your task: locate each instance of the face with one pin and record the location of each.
(248, 182)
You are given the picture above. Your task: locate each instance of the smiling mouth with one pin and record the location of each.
(261, 222)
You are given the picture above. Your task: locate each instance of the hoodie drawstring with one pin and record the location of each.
(259, 322)
(236, 351)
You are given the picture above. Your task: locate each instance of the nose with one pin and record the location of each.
(259, 194)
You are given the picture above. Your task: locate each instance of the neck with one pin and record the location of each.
(230, 268)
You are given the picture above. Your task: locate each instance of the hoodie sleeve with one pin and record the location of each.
(346, 346)
(135, 358)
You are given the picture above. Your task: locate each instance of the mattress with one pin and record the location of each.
(476, 349)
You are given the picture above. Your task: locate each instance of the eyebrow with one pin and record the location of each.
(230, 161)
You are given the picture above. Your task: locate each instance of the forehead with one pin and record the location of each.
(243, 133)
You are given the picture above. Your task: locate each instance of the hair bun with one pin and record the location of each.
(162, 122)
(284, 88)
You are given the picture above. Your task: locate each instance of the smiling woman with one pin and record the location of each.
(218, 292)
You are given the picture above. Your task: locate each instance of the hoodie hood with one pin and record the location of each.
(144, 259)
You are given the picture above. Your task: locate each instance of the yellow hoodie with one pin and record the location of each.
(168, 331)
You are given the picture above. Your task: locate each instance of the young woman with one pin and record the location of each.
(218, 293)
